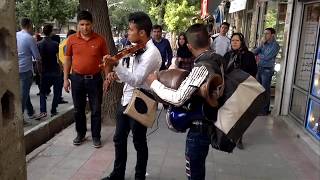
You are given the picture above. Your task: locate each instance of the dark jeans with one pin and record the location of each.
(264, 77)
(123, 126)
(48, 80)
(61, 86)
(81, 87)
(26, 79)
(197, 147)
(163, 66)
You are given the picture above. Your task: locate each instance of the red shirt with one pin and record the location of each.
(86, 54)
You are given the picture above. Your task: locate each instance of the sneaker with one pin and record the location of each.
(78, 140)
(96, 142)
(41, 115)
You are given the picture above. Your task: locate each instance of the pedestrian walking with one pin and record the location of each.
(50, 72)
(27, 49)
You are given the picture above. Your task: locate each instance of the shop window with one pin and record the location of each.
(316, 78)
(298, 104)
(313, 121)
(307, 47)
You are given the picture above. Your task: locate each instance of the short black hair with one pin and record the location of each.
(226, 24)
(84, 15)
(142, 21)
(198, 36)
(70, 32)
(157, 26)
(47, 29)
(272, 30)
(25, 23)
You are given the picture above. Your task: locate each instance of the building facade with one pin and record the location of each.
(297, 82)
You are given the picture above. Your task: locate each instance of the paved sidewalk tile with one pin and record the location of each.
(272, 152)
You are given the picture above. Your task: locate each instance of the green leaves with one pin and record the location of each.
(176, 15)
(179, 15)
(40, 11)
(119, 12)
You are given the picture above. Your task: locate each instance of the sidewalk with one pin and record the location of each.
(35, 100)
(272, 151)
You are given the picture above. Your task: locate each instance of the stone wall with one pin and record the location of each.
(12, 150)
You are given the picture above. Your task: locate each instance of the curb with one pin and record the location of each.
(44, 131)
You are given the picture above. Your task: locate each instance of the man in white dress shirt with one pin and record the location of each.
(221, 43)
(206, 62)
(144, 63)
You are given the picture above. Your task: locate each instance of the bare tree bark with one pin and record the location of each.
(99, 10)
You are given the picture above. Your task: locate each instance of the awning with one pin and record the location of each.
(237, 5)
(208, 7)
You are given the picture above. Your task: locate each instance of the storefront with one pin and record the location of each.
(301, 90)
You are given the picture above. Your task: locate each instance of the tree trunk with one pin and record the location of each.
(162, 12)
(99, 10)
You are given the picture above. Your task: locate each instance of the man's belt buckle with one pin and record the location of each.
(88, 76)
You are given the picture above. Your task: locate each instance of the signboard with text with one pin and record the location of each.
(237, 5)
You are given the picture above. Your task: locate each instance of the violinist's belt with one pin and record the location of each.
(142, 107)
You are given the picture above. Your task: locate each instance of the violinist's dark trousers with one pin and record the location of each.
(123, 126)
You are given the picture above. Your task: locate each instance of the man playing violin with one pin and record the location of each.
(85, 51)
(146, 61)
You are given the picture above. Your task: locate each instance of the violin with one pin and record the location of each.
(123, 53)
(107, 65)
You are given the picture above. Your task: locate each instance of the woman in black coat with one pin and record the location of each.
(184, 56)
(243, 59)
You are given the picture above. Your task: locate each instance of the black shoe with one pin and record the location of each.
(110, 177)
(96, 142)
(62, 102)
(262, 114)
(78, 140)
(53, 113)
(240, 145)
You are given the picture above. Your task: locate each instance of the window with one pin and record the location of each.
(313, 120)
(298, 104)
(316, 78)
(307, 48)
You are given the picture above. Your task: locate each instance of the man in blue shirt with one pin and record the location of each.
(267, 53)
(27, 49)
(163, 45)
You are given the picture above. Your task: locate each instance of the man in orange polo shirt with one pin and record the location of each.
(86, 49)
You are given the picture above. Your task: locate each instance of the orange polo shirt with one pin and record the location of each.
(86, 54)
